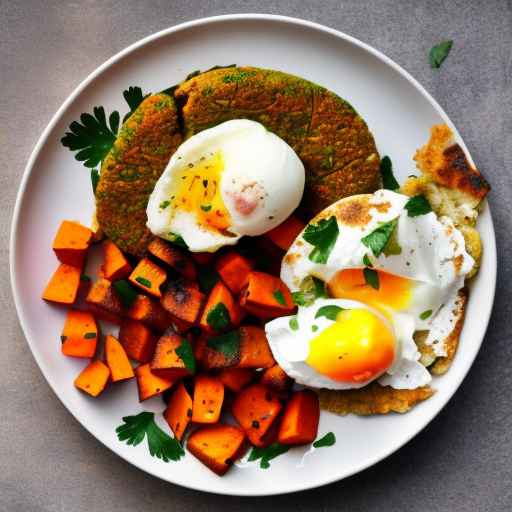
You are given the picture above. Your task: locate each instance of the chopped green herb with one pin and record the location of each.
(92, 137)
(177, 240)
(206, 207)
(143, 281)
(125, 292)
(227, 344)
(218, 317)
(134, 97)
(90, 335)
(371, 277)
(393, 246)
(386, 171)
(207, 278)
(418, 205)
(323, 237)
(330, 312)
(379, 237)
(278, 295)
(267, 454)
(85, 278)
(314, 328)
(95, 178)
(366, 261)
(426, 314)
(311, 288)
(164, 204)
(161, 445)
(438, 53)
(294, 323)
(328, 440)
(186, 353)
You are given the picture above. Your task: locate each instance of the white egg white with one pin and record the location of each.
(257, 165)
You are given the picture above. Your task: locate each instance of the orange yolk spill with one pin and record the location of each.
(196, 189)
(394, 293)
(358, 347)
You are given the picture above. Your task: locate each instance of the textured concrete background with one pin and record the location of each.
(463, 460)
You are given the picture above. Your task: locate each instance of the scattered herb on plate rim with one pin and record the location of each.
(134, 97)
(264, 455)
(438, 53)
(327, 440)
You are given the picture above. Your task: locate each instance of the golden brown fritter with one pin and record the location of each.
(331, 139)
(129, 172)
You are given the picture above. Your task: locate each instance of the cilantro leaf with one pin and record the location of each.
(311, 288)
(426, 314)
(134, 97)
(367, 261)
(417, 205)
(278, 295)
(92, 137)
(187, 355)
(218, 317)
(177, 240)
(161, 445)
(393, 247)
(330, 312)
(143, 281)
(125, 292)
(386, 171)
(95, 178)
(371, 277)
(294, 323)
(227, 344)
(438, 53)
(264, 455)
(164, 204)
(322, 236)
(379, 237)
(328, 440)
(206, 207)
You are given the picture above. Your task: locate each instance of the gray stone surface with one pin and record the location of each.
(463, 460)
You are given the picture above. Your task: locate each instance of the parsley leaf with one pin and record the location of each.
(177, 240)
(311, 288)
(95, 178)
(125, 291)
(330, 312)
(227, 344)
(371, 277)
(417, 205)
(294, 323)
(187, 355)
(367, 261)
(267, 454)
(218, 317)
(134, 97)
(278, 295)
(143, 281)
(379, 237)
(93, 138)
(206, 207)
(438, 53)
(160, 444)
(322, 236)
(426, 314)
(328, 440)
(164, 204)
(386, 171)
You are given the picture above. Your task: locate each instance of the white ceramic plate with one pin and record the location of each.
(398, 111)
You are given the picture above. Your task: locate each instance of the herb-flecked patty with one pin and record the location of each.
(140, 154)
(328, 135)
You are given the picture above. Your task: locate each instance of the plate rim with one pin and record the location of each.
(490, 253)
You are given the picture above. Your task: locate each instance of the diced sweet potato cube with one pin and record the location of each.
(183, 300)
(234, 270)
(236, 378)
(254, 348)
(179, 411)
(217, 446)
(286, 233)
(150, 312)
(63, 285)
(255, 408)
(115, 265)
(203, 258)
(149, 384)
(104, 302)
(266, 296)
(208, 399)
(221, 311)
(300, 419)
(117, 360)
(148, 276)
(93, 379)
(276, 378)
(138, 341)
(174, 257)
(166, 362)
(72, 242)
(80, 334)
(211, 356)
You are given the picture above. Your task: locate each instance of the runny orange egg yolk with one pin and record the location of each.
(393, 292)
(196, 189)
(356, 348)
